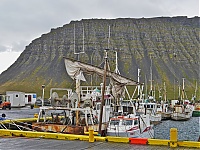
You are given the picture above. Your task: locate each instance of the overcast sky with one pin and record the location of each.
(21, 21)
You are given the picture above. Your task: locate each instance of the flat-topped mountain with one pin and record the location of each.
(168, 45)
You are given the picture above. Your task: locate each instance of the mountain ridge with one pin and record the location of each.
(171, 43)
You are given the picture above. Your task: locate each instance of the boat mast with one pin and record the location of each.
(78, 82)
(165, 93)
(183, 90)
(195, 92)
(151, 80)
(108, 36)
(139, 92)
(103, 91)
(146, 95)
(179, 92)
(117, 72)
(116, 63)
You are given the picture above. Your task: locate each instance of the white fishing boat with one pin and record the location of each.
(181, 113)
(127, 123)
(150, 108)
(130, 126)
(182, 109)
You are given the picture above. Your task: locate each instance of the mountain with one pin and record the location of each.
(169, 44)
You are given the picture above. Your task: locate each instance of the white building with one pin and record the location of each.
(30, 99)
(16, 98)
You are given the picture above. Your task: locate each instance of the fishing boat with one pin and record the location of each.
(72, 116)
(196, 111)
(181, 111)
(126, 122)
(64, 120)
(151, 109)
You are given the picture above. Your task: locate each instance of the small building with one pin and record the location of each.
(30, 99)
(16, 98)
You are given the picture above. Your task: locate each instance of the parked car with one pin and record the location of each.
(5, 104)
(38, 102)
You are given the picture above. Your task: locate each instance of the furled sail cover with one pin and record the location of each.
(75, 69)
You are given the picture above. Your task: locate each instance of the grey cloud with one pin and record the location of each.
(23, 21)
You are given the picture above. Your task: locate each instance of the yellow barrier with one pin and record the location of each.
(92, 138)
(158, 142)
(117, 139)
(173, 142)
(95, 133)
(47, 135)
(173, 137)
(188, 144)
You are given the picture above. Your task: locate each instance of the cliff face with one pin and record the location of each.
(171, 45)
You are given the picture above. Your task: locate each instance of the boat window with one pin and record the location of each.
(114, 122)
(127, 122)
(135, 122)
(98, 106)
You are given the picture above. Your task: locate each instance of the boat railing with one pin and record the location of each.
(89, 89)
(19, 125)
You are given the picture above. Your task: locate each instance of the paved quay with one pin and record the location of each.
(22, 143)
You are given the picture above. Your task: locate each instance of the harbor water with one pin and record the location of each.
(187, 130)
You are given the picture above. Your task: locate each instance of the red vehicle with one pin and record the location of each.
(4, 103)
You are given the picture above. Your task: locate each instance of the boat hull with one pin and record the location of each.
(196, 113)
(148, 133)
(166, 116)
(68, 129)
(180, 116)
